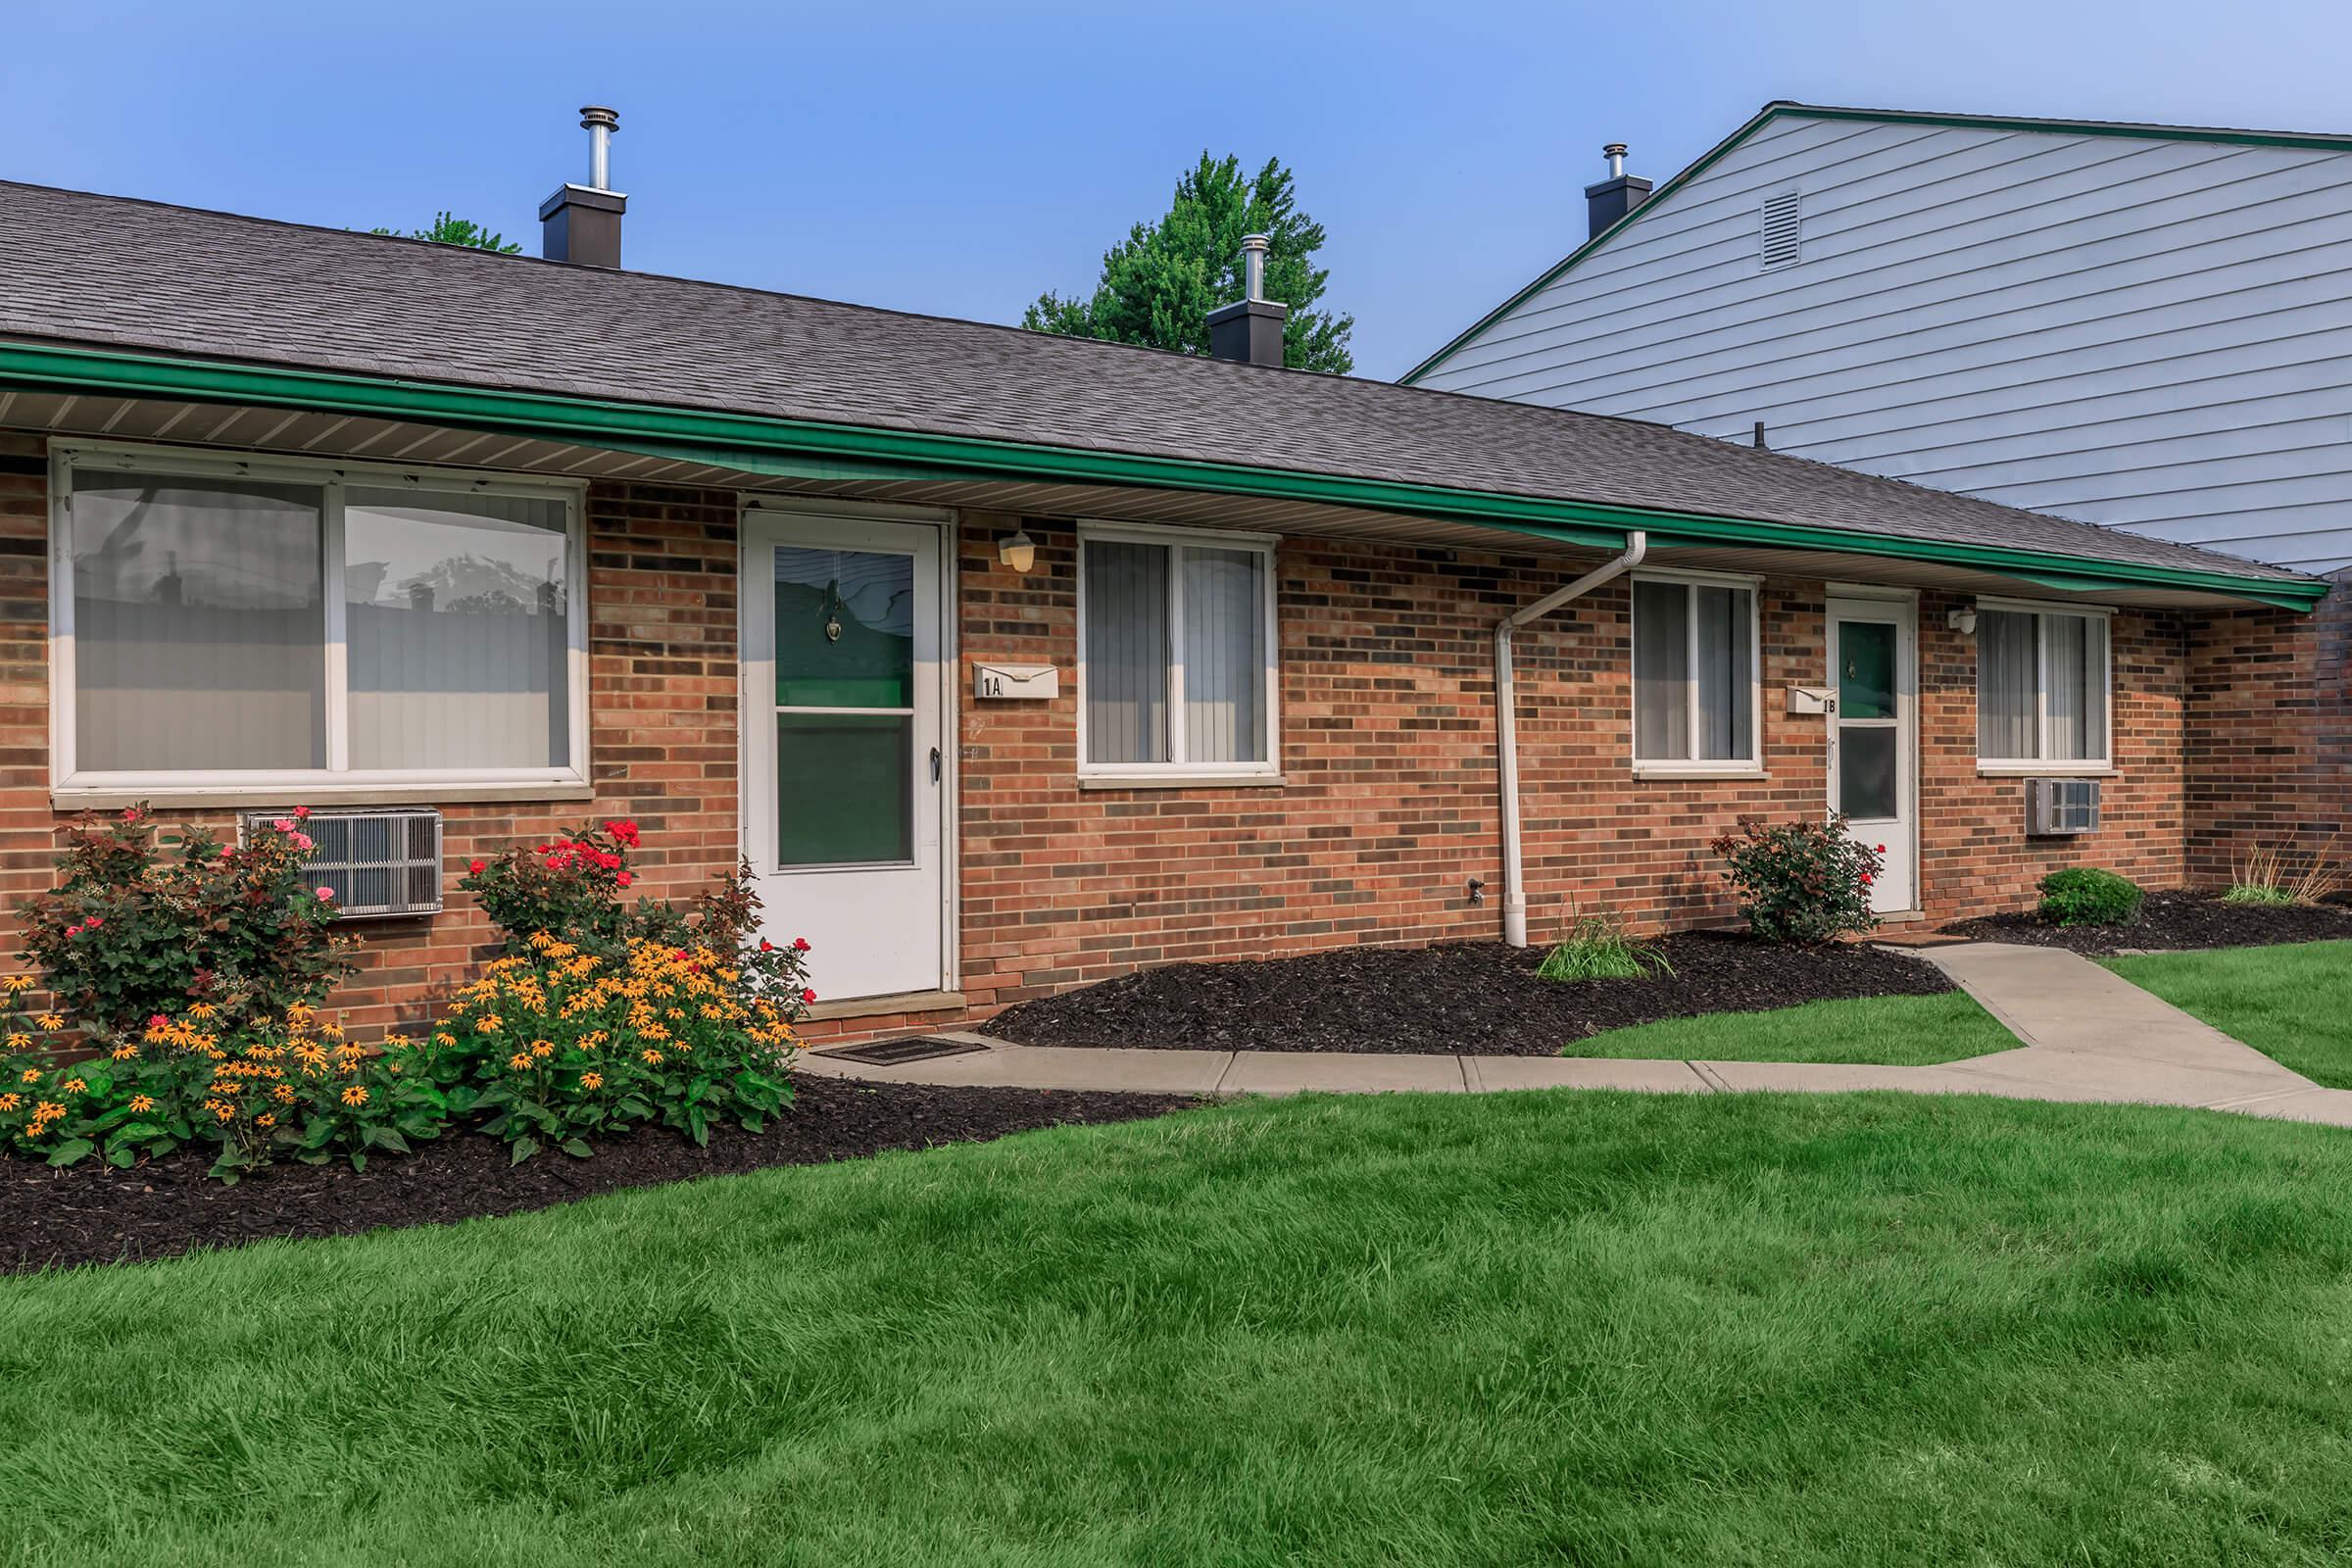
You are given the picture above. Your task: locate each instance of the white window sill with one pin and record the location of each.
(1687, 775)
(2048, 771)
(1181, 781)
(262, 793)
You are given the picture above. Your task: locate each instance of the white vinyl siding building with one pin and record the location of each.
(2132, 326)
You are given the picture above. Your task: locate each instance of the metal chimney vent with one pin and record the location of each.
(1781, 238)
(382, 864)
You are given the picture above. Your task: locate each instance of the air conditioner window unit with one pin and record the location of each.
(2059, 807)
(382, 864)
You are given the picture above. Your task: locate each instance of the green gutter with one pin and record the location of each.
(1776, 110)
(799, 446)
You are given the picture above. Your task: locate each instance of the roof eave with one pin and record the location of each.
(748, 441)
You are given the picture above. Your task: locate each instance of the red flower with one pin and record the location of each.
(1881, 848)
(623, 832)
(1866, 879)
(156, 1021)
(624, 879)
(807, 995)
(92, 923)
(800, 944)
(767, 945)
(475, 867)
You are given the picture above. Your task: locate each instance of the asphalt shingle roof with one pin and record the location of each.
(110, 271)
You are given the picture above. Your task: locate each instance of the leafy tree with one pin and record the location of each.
(1160, 283)
(449, 229)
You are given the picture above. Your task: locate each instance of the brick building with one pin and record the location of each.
(1014, 662)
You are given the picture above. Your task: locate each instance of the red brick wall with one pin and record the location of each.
(2269, 759)
(1387, 745)
(662, 718)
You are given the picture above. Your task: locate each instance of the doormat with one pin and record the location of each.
(914, 1048)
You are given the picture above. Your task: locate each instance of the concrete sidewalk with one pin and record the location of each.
(2085, 1034)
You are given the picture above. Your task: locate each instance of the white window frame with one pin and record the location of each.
(2052, 767)
(338, 781)
(1178, 769)
(1693, 766)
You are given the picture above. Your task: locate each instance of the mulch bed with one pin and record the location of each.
(2170, 922)
(91, 1213)
(1482, 998)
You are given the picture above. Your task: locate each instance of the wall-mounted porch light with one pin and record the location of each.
(1962, 621)
(1018, 551)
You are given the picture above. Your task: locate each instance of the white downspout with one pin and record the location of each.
(1506, 722)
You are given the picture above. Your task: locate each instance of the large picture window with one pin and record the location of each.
(2041, 688)
(227, 627)
(1176, 655)
(1694, 675)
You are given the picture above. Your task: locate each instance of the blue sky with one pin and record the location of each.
(957, 159)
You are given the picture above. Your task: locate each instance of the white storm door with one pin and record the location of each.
(844, 746)
(1873, 737)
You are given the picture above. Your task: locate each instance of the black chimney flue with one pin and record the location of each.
(581, 223)
(1249, 331)
(1615, 196)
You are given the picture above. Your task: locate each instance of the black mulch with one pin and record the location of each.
(1479, 997)
(93, 1214)
(2169, 922)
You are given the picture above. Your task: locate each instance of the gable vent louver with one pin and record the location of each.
(1779, 233)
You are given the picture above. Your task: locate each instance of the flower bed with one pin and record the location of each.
(1478, 998)
(196, 985)
(93, 1214)
(2172, 922)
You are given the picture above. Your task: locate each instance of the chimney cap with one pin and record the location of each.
(595, 115)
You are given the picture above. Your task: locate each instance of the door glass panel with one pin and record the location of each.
(1866, 771)
(1865, 669)
(845, 789)
(844, 628)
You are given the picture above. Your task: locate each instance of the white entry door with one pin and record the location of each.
(1873, 737)
(844, 760)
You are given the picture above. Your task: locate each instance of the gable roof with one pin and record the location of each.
(1780, 107)
(301, 316)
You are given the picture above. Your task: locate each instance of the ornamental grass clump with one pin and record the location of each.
(128, 931)
(1599, 948)
(2269, 874)
(563, 1045)
(1801, 882)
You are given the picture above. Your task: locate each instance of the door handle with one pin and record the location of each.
(934, 765)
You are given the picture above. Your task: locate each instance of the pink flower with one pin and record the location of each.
(228, 852)
(92, 923)
(325, 892)
(302, 810)
(807, 995)
(130, 814)
(283, 825)
(304, 842)
(156, 1021)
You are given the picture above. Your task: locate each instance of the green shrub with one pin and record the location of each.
(128, 933)
(2083, 894)
(1599, 949)
(1803, 881)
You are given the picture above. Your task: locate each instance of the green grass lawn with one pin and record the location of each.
(2292, 1004)
(1413, 1329)
(1885, 1031)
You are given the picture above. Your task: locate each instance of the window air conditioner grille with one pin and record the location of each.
(2056, 807)
(381, 865)
(1780, 229)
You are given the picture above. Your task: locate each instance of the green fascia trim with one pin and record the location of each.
(867, 452)
(1773, 111)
